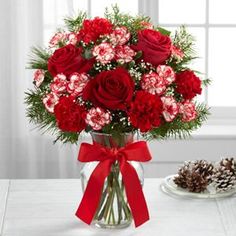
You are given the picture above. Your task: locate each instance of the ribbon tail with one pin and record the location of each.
(93, 192)
(134, 194)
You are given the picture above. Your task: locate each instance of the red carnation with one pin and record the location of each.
(70, 116)
(156, 47)
(188, 84)
(68, 60)
(112, 89)
(93, 29)
(145, 111)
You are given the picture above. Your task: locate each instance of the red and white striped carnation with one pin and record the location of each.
(72, 38)
(167, 73)
(124, 54)
(177, 53)
(170, 108)
(39, 77)
(104, 53)
(59, 84)
(153, 83)
(57, 37)
(97, 118)
(49, 101)
(77, 83)
(120, 36)
(188, 111)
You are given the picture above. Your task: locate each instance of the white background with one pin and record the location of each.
(24, 153)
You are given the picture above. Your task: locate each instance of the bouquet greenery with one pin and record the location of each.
(116, 74)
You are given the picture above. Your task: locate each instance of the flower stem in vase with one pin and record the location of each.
(113, 207)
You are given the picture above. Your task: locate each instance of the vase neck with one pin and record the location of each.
(112, 140)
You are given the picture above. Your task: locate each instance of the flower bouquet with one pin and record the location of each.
(115, 77)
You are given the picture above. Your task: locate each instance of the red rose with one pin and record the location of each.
(156, 47)
(188, 84)
(70, 116)
(93, 29)
(145, 111)
(111, 89)
(68, 60)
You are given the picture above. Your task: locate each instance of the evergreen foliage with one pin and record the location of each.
(46, 122)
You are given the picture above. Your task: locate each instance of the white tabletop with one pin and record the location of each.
(47, 207)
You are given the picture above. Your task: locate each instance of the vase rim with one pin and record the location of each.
(109, 134)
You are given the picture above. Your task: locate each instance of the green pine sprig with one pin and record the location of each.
(132, 23)
(44, 120)
(39, 58)
(186, 42)
(178, 128)
(206, 82)
(73, 24)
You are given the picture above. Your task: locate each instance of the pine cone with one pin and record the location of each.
(181, 179)
(223, 179)
(194, 175)
(196, 182)
(204, 168)
(229, 164)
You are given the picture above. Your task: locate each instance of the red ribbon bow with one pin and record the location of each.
(137, 151)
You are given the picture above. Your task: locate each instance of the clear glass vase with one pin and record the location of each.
(113, 210)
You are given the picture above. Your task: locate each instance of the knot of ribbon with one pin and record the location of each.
(137, 151)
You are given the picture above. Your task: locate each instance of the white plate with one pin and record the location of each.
(168, 186)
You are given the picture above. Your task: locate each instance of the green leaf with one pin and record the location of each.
(87, 54)
(206, 82)
(163, 31)
(138, 55)
(131, 64)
